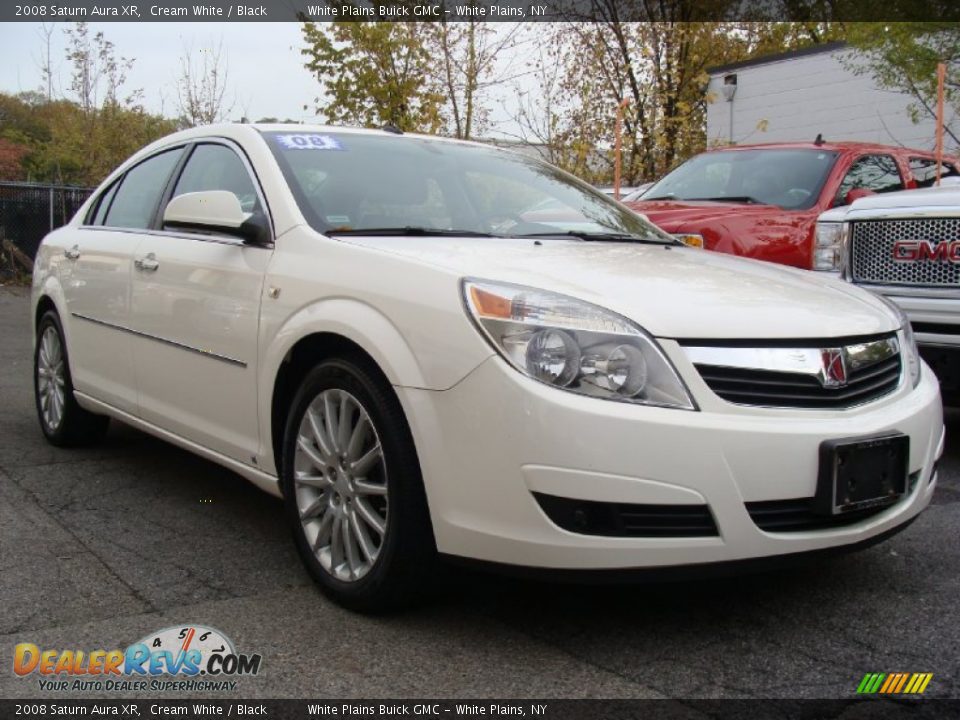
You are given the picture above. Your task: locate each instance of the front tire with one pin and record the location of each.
(353, 491)
(63, 421)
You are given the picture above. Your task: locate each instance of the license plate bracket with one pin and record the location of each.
(860, 473)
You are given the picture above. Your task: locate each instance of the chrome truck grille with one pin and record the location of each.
(906, 252)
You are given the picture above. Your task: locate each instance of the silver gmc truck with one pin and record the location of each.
(906, 247)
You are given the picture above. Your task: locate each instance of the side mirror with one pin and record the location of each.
(215, 211)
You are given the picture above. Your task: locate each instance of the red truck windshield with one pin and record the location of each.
(790, 179)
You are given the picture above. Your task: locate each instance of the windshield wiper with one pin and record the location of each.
(668, 196)
(410, 230)
(732, 198)
(602, 237)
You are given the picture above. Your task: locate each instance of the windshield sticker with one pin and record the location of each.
(309, 142)
(338, 219)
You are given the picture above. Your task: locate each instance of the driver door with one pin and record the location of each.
(196, 304)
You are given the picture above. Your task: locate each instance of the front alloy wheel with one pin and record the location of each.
(341, 485)
(352, 487)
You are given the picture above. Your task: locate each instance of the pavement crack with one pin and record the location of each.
(79, 540)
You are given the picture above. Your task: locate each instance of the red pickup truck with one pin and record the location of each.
(762, 201)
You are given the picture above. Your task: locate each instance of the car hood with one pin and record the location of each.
(672, 291)
(674, 216)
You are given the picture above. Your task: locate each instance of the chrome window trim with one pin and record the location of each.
(223, 239)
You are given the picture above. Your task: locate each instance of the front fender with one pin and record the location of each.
(358, 322)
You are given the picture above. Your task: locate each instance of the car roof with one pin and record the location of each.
(236, 129)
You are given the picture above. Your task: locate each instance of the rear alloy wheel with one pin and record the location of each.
(62, 420)
(352, 488)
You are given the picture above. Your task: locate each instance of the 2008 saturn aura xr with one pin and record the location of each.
(434, 348)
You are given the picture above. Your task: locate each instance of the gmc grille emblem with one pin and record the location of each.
(911, 250)
(834, 371)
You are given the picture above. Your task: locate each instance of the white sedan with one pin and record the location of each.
(367, 324)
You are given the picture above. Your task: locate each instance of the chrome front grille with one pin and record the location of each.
(872, 254)
(829, 377)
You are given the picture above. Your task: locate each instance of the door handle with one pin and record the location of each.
(147, 263)
(73, 253)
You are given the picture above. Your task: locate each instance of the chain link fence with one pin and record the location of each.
(28, 211)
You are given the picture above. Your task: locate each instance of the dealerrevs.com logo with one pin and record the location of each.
(181, 658)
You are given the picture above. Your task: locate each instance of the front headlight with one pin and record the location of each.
(908, 343)
(828, 248)
(573, 345)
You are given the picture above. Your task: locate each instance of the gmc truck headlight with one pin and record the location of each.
(573, 345)
(828, 246)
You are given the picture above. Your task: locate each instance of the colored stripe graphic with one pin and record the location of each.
(894, 683)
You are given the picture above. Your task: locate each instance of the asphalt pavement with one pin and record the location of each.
(99, 547)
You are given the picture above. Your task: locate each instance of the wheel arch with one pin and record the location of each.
(330, 328)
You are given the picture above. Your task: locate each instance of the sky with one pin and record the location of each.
(265, 70)
(266, 76)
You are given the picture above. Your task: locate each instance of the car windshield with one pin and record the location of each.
(395, 184)
(790, 179)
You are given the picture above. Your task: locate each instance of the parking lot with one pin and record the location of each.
(100, 547)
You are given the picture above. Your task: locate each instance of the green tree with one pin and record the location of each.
(904, 57)
(374, 73)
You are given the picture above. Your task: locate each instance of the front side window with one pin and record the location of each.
(99, 213)
(352, 182)
(789, 178)
(924, 171)
(217, 167)
(139, 193)
(877, 173)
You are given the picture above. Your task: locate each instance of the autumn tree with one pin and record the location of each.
(374, 73)
(80, 138)
(202, 86)
(11, 160)
(654, 55)
(467, 66)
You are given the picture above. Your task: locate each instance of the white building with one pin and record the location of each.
(798, 95)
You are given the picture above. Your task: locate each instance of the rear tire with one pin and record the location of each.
(353, 490)
(63, 421)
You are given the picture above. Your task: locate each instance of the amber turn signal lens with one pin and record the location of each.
(488, 304)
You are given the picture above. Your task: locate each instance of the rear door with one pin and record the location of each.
(196, 309)
(878, 173)
(96, 280)
(924, 171)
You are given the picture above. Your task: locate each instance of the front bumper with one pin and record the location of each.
(490, 442)
(935, 317)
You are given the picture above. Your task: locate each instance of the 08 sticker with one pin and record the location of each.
(305, 141)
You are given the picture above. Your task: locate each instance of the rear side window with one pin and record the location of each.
(135, 202)
(217, 167)
(871, 172)
(924, 171)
